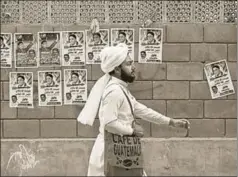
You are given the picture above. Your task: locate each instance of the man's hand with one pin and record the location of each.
(138, 130)
(180, 123)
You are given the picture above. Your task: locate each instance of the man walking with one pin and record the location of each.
(110, 95)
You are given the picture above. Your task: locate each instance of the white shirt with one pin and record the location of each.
(115, 112)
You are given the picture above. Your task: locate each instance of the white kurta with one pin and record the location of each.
(115, 112)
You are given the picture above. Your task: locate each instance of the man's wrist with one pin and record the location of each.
(171, 122)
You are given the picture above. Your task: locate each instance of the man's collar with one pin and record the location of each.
(119, 81)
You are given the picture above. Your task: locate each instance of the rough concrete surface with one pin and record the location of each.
(163, 157)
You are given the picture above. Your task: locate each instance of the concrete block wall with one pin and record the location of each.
(176, 88)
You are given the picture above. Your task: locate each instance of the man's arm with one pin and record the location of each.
(109, 112)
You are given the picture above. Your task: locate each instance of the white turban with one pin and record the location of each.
(111, 57)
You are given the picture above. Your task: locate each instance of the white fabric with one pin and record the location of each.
(115, 107)
(111, 57)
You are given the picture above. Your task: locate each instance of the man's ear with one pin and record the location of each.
(117, 69)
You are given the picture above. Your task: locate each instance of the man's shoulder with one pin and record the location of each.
(112, 89)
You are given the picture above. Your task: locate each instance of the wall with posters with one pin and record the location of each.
(177, 87)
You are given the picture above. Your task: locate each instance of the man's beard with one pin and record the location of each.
(126, 77)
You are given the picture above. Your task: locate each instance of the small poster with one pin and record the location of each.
(25, 50)
(49, 88)
(6, 50)
(75, 86)
(150, 45)
(219, 79)
(49, 47)
(95, 42)
(21, 90)
(73, 48)
(124, 35)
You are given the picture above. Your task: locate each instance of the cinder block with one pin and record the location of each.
(58, 128)
(96, 72)
(21, 128)
(233, 70)
(150, 71)
(185, 108)
(170, 90)
(156, 105)
(90, 86)
(141, 89)
(207, 127)
(200, 90)
(220, 109)
(232, 52)
(208, 52)
(146, 127)
(184, 33)
(22, 28)
(35, 91)
(5, 73)
(1, 131)
(136, 52)
(184, 71)
(231, 127)
(220, 33)
(233, 96)
(36, 112)
(1, 92)
(86, 131)
(166, 131)
(68, 111)
(8, 28)
(7, 112)
(5, 86)
(176, 52)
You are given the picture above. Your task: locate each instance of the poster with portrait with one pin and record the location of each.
(124, 35)
(95, 42)
(150, 45)
(21, 90)
(49, 88)
(219, 79)
(6, 50)
(75, 86)
(49, 47)
(73, 48)
(25, 50)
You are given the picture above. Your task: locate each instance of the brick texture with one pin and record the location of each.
(208, 52)
(207, 127)
(188, 71)
(231, 128)
(184, 33)
(86, 131)
(68, 111)
(220, 33)
(21, 128)
(185, 109)
(157, 105)
(220, 109)
(146, 127)
(141, 89)
(234, 96)
(233, 70)
(176, 52)
(170, 90)
(58, 128)
(7, 112)
(96, 72)
(156, 72)
(232, 52)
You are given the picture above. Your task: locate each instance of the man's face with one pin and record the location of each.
(21, 46)
(43, 98)
(216, 71)
(49, 80)
(143, 55)
(14, 99)
(44, 44)
(75, 78)
(128, 70)
(55, 53)
(20, 81)
(150, 37)
(68, 96)
(96, 38)
(66, 58)
(32, 54)
(90, 56)
(72, 40)
(122, 38)
(214, 89)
